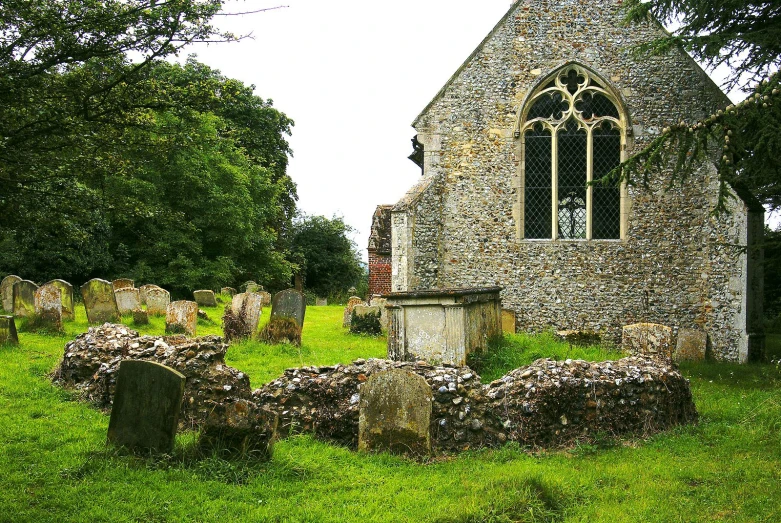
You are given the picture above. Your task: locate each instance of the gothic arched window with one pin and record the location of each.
(572, 133)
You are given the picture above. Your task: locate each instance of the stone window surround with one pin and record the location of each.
(624, 126)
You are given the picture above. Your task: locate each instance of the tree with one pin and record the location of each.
(744, 36)
(328, 257)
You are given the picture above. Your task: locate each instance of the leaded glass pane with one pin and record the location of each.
(537, 184)
(606, 213)
(572, 181)
(549, 105)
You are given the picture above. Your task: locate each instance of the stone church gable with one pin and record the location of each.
(569, 256)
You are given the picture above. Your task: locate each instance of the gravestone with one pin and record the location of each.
(66, 298)
(348, 311)
(99, 301)
(289, 304)
(147, 401)
(692, 345)
(384, 317)
(395, 413)
(7, 292)
(251, 286)
(122, 283)
(647, 339)
(181, 317)
(230, 291)
(248, 307)
(128, 300)
(321, 302)
(205, 298)
(143, 290)
(140, 317)
(24, 298)
(157, 301)
(508, 321)
(48, 306)
(8, 334)
(265, 298)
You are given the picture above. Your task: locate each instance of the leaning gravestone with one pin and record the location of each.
(205, 298)
(99, 301)
(289, 304)
(395, 413)
(48, 306)
(8, 334)
(157, 301)
(265, 298)
(122, 283)
(251, 286)
(230, 291)
(692, 345)
(348, 311)
(181, 317)
(66, 298)
(147, 401)
(143, 290)
(647, 339)
(384, 316)
(128, 300)
(7, 292)
(248, 306)
(24, 298)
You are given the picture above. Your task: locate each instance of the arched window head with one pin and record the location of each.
(571, 132)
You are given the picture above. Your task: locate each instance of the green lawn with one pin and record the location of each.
(54, 465)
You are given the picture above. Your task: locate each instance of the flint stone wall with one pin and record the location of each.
(460, 226)
(548, 403)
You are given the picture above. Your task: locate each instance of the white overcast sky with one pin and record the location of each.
(353, 74)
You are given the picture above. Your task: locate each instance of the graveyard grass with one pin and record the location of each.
(55, 465)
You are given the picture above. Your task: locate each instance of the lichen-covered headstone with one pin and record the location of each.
(157, 301)
(143, 290)
(384, 316)
(692, 345)
(508, 321)
(140, 317)
(48, 307)
(647, 339)
(248, 306)
(395, 413)
(205, 298)
(8, 334)
(265, 298)
(66, 298)
(99, 301)
(229, 291)
(128, 300)
(289, 304)
(181, 317)
(321, 302)
(147, 401)
(7, 292)
(348, 311)
(24, 298)
(251, 286)
(122, 283)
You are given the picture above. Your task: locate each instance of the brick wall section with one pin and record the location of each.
(379, 273)
(459, 227)
(380, 251)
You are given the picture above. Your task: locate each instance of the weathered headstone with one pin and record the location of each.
(395, 413)
(24, 298)
(321, 302)
(128, 300)
(157, 301)
(7, 292)
(147, 401)
(229, 291)
(692, 345)
(348, 311)
(647, 339)
(8, 334)
(66, 298)
(99, 301)
(122, 283)
(140, 317)
(508, 321)
(251, 286)
(143, 290)
(181, 317)
(248, 306)
(48, 307)
(384, 317)
(265, 298)
(289, 304)
(205, 298)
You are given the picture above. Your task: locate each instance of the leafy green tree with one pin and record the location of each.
(328, 257)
